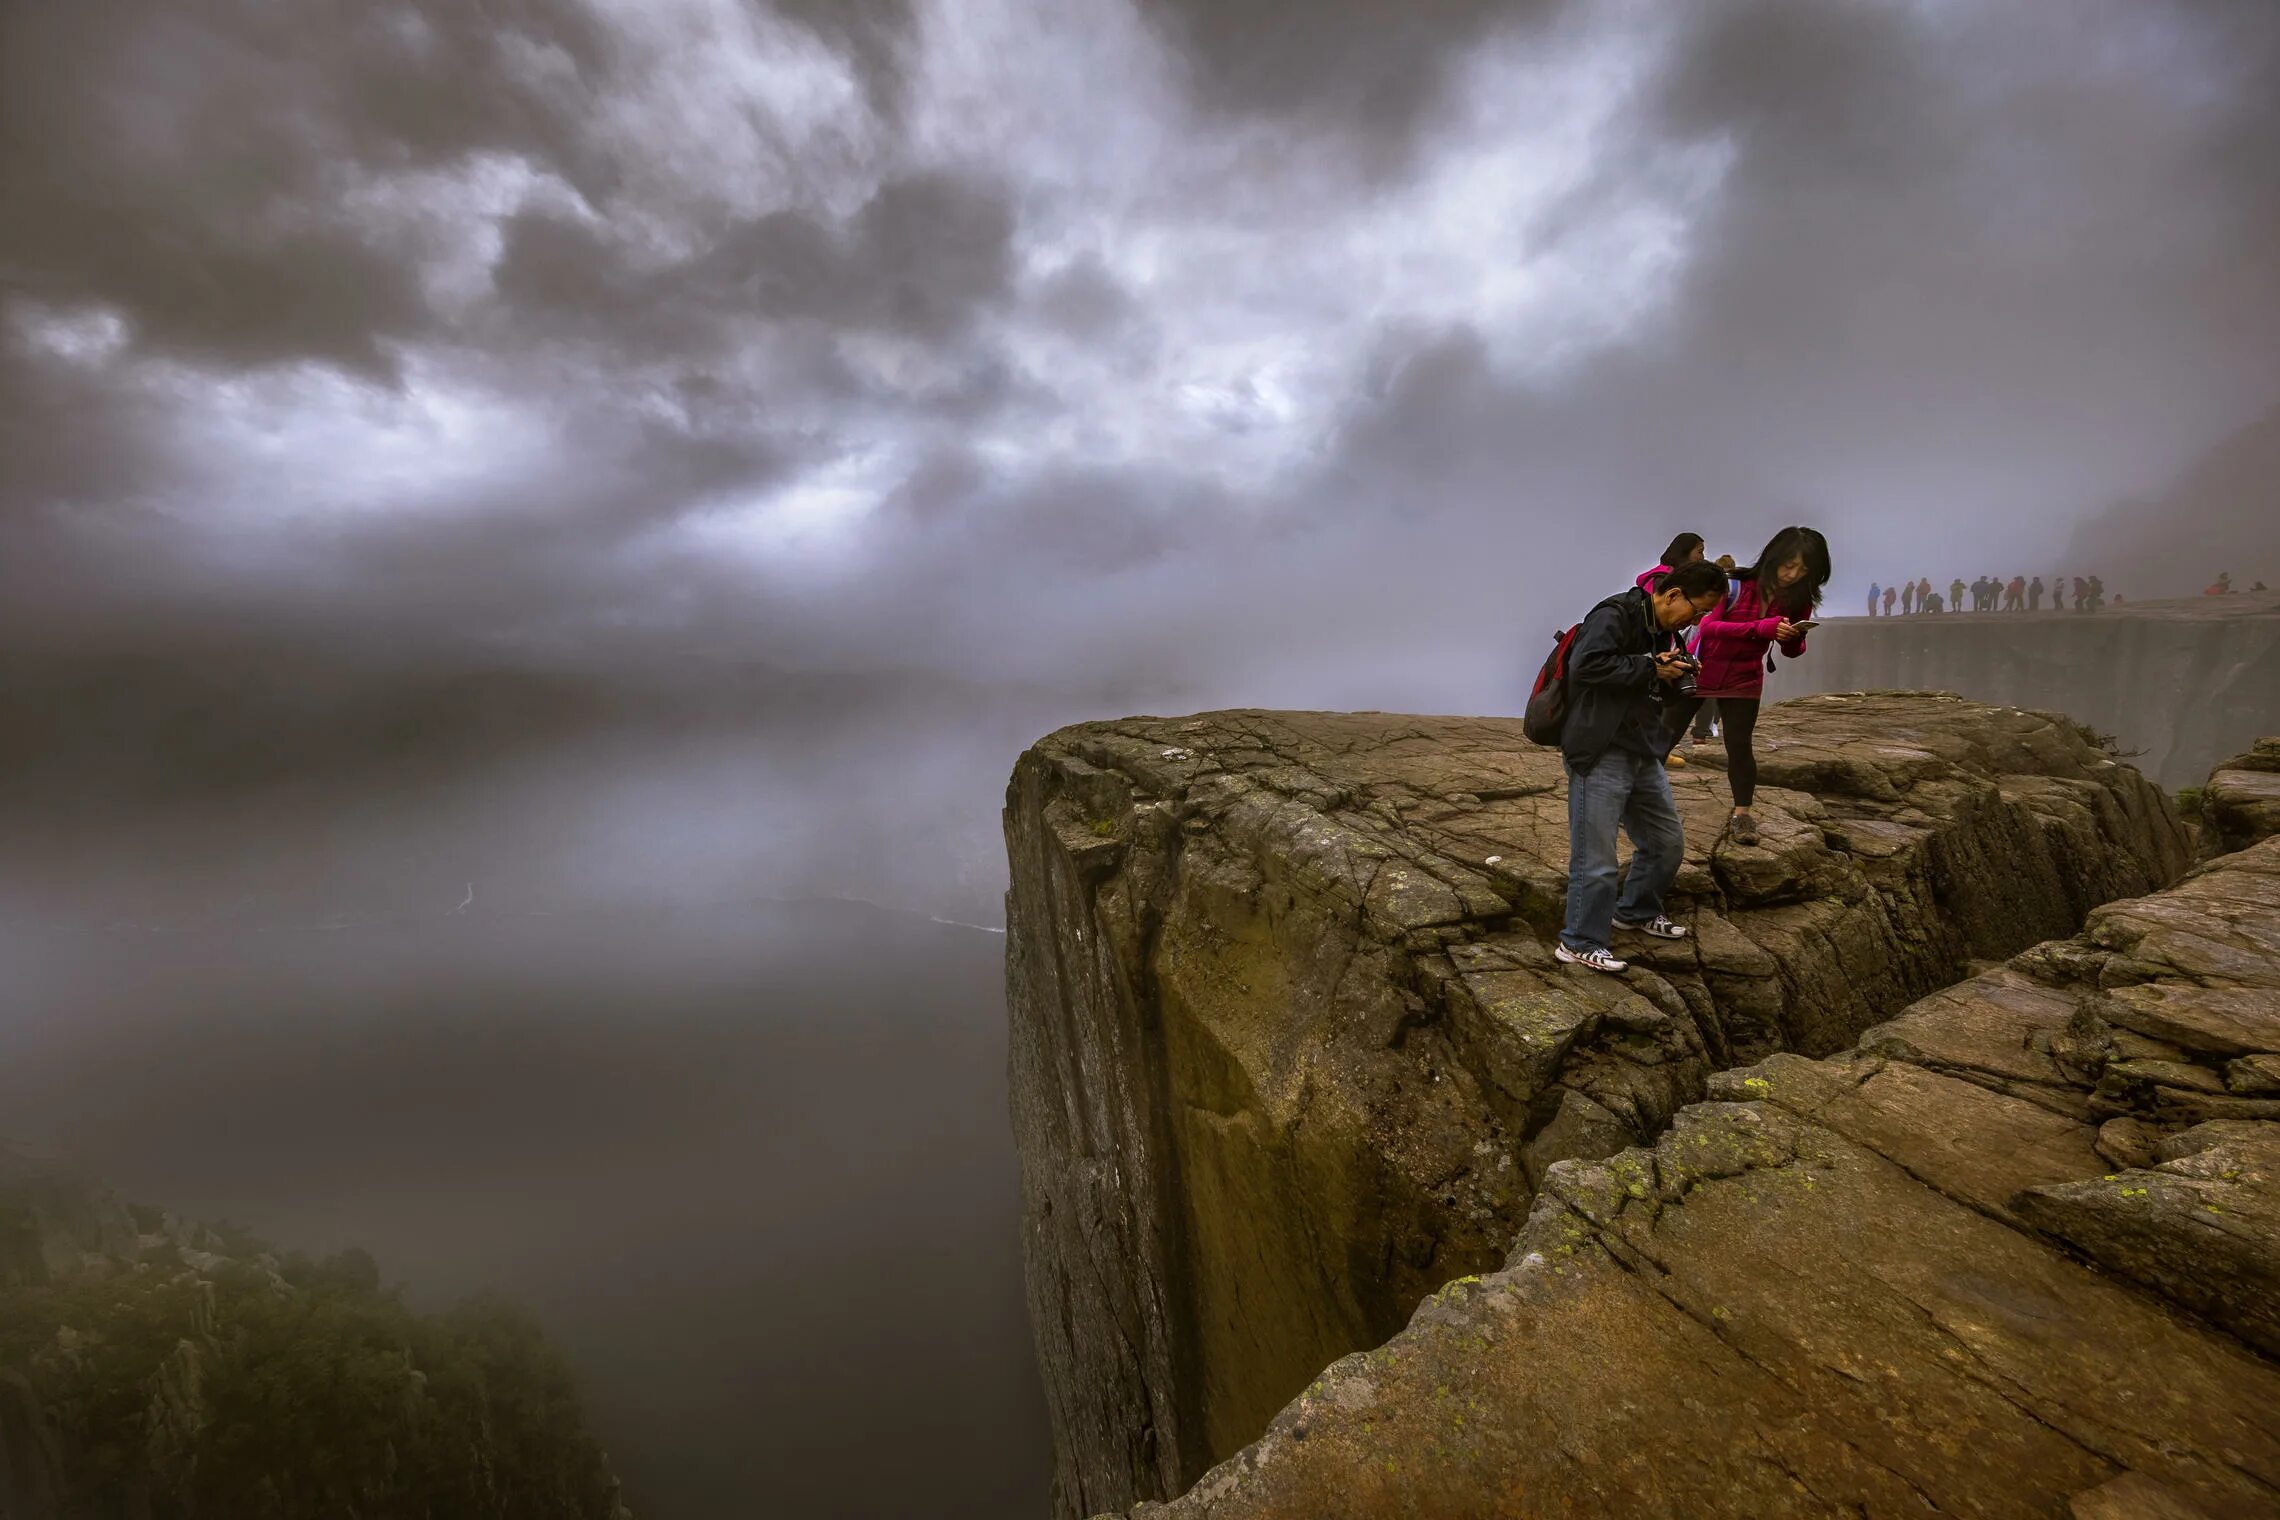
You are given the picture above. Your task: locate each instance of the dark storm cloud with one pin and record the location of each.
(919, 258)
(875, 34)
(1084, 300)
(167, 162)
(1965, 263)
(1367, 71)
(1968, 271)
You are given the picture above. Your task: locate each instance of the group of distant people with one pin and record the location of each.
(1989, 593)
(1622, 688)
(2223, 585)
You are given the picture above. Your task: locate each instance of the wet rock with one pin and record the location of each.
(1285, 1066)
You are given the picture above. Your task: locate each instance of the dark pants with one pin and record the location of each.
(1739, 717)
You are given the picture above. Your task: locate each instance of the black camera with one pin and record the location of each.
(1685, 686)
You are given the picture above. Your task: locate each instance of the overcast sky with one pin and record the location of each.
(1091, 339)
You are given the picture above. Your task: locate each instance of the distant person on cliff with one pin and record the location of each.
(1908, 598)
(2015, 595)
(2222, 585)
(2081, 594)
(1771, 603)
(1874, 591)
(1888, 601)
(2097, 593)
(1625, 664)
(2034, 594)
(1933, 603)
(1955, 595)
(1979, 594)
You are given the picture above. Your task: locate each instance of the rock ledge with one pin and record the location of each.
(1290, 1050)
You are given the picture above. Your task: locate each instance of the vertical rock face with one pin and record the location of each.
(2015, 1254)
(1290, 1049)
(2180, 683)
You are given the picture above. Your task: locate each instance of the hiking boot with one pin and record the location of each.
(1744, 829)
(1674, 761)
(1597, 960)
(1660, 926)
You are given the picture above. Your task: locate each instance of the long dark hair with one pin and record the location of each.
(1806, 544)
(1680, 549)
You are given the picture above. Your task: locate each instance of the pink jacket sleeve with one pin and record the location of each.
(1722, 628)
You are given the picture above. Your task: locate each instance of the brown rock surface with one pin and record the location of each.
(2241, 803)
(1896, 1281)
(1290, 1049)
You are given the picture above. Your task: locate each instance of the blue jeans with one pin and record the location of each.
(1632, 791)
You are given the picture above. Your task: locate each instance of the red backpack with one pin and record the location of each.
(1547, 709)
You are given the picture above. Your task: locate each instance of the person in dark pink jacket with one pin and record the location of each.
(1770, 599)
(1684, 550)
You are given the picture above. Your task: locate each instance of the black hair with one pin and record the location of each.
(1680, 550)
(1698, 579)
(1791, 543)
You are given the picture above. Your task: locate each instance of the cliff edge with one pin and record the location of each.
(2016, 1254)
(2179, 683)
(1290, 1051)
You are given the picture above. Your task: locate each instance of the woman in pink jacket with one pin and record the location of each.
(1684, 550)
(1769, 602)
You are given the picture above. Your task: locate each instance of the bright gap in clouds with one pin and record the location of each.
(1261, 273)
(1247, 277)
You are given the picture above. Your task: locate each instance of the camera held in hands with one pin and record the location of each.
(1685, 686)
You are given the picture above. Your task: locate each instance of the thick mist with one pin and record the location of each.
(747, 1163)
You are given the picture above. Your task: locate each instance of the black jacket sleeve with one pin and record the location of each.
(1598, 658)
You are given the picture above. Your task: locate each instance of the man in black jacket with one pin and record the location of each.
(1624, 662)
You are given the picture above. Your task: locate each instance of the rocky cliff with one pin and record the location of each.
(2180, 684)
(2241, 803)
(152, 1368)
(1290, 1050)
(2017, 1253)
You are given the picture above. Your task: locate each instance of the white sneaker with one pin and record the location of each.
(1597, 960)
(1659, 926)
